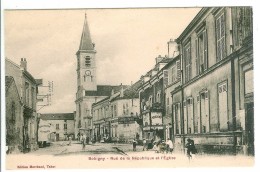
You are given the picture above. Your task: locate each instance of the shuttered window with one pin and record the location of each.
(220, 37)
(187, 57)
(165, 78)
(190, 115)
(222, 106)
(201, 44)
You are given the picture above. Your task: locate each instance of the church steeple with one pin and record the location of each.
(86, 63)
(86, 42)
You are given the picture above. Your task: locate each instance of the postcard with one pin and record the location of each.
(127, 88)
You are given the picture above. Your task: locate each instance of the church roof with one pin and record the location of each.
(104, 90)
(86, 42)
(57, 116)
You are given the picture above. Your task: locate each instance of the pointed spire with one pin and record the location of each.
(86, 42)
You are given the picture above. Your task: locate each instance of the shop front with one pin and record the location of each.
(153, 128)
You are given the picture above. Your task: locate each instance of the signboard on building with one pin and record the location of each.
(126, 120)
(156, 118)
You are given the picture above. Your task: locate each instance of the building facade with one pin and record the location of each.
(214, 104)
(152, 101)
(27, 88)
(14, 116)
(56, 127)
(116, 118)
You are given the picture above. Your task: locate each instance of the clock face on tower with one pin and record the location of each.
(88, 73)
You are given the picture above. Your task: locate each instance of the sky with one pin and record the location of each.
(127, 42)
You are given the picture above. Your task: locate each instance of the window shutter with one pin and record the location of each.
(174, 118)
(197, 56)
(185, 117)
(165, 78)
(179, 117)
(207, 110)
(205, 45)
(178, 66)
(192, 115)
(198, 113)
(218, 39)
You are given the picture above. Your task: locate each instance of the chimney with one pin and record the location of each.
(23, 64)
(122, 91)
(173, 48)
(158, 59)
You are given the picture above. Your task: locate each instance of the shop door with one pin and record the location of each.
(250, 127)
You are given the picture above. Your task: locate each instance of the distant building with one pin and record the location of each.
(88, 92)
(56, 126)
(26, 115)
(116, 118)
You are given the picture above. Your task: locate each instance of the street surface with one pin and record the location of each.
(109, 155)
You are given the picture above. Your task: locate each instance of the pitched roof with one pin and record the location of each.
(104, 90)
(86, 42)
(57, 116)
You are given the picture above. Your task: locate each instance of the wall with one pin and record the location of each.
(14, 135)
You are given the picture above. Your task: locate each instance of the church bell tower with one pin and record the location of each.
(86, 62)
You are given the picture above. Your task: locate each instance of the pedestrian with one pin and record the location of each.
(134, 145)
(83, 141)
(70, 140)
(78, 136)
(169, 146)
(190, 148)
(144, 144)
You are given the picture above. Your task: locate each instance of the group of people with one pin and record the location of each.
(166, 147)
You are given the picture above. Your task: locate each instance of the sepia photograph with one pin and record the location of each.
(109, 88)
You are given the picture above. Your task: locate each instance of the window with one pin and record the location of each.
(187, 57)
(27, 93)
(112, 111)
(159, 97)
(178, 70)
(189, 108)
(167, 106)
(220, 36)
(222, 107)
(204, 111)
(127, 110)
(249, 84)
(57, 127)
(115, 111)
(79, 111)
(13, 112)
(33, 97)
(87, 61)
(201, 52)
(65, 126)
(78, 63)
(177, 118)
(165, 78)
(124, 109)
(150, 100)
(79, 124)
